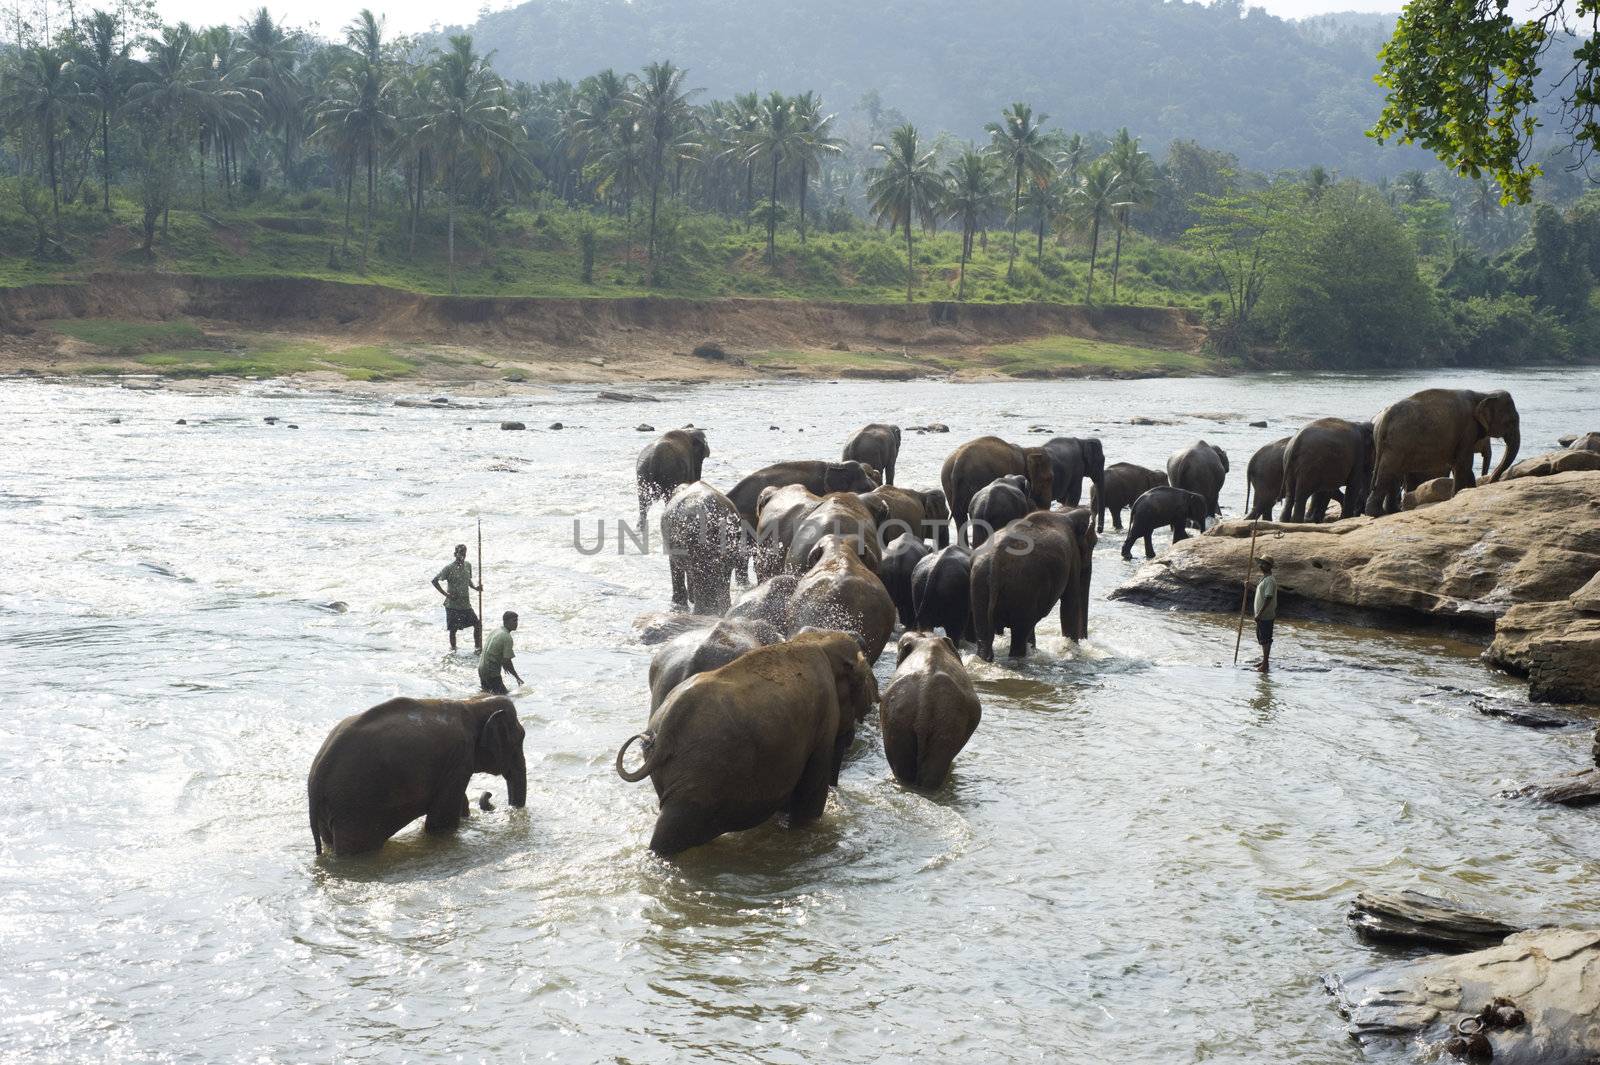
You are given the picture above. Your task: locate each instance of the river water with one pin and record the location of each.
(1144, 854)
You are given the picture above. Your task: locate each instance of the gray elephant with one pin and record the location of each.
(941, 593)
(1082, 519)
(924, 515)
(383, 768)
(996, 505)
(703, 540)
(1438, 428)
(819, 478)
(928, 712)
(1264, 478)
(853, 515)
(1019, 574)
(1124, 482)
(1328, 458)
(676, 458)
(878, 446)
(702, 650)
(1200, 468)
(1173, 507)
(764, 734)
(1071, 460)
(978, 462)
(767, 601)
(778, 514)
(900, 561)
(840, 592)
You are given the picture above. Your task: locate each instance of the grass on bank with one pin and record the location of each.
(1052, 353)
(111, 337)
(370, 363)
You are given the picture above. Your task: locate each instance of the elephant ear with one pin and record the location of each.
(490, 750)
(895, 429)
(876, 507)
(935, 505)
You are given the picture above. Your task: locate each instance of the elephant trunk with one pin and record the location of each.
(517, 781)
(1513, 439)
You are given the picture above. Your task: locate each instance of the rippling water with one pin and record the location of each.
(1143, 856)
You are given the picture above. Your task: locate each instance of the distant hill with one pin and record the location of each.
(1278, 93)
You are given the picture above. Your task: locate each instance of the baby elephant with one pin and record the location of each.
(929, 710)
(381, 769)
(1165, 505)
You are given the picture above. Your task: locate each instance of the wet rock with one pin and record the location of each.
(271, 419)
(114, 421)
(1555, 645)
(1566, 441)
(1569, 461)
(183, 421)
(1411, 918)
(1040, 429)
(625, 397)
(1549, 981)
(557, 425)
(501, 467)
(1527, 716)
(1258, 425)
(512, 427)
(484, 802)
(337, 606)
(1429, 492)
(292, 425)
(1580, 788)
(644, 427)
(772, 428)
(439, 399)
(1586, 442)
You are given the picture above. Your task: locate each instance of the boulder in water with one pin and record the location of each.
(512, 427)
(644, 427)
(1411, 918)
(1586, 442)
(556, 425)
(625, 397)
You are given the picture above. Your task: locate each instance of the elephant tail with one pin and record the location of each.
(649, 763)
(316, 836)
(1247, 494)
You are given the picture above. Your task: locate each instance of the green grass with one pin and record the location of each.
(281, 359)
(112, 337)
(1058, 352)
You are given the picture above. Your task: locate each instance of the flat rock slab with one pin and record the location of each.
(1411, 918)
(1581, 788)
(1551, 975)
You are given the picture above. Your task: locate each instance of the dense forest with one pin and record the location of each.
(256, 148)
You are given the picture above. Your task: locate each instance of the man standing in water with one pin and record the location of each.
(1266, 611)
(497, 655)
(458, 612)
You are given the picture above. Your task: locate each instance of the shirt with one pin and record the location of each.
(1267, 598)
(458, 580)
(497, 651)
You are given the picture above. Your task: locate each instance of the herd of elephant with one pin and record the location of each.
(755, 702)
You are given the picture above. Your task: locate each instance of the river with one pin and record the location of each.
(1144, 854)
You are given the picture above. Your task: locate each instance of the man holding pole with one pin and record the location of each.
(458, 612)
(1266, 611)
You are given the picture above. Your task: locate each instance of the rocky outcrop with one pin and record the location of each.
(1569, 461)
(1509, 554)
(1532, 1000)
(1429, 492)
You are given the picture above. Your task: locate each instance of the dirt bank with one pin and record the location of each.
(602, 339)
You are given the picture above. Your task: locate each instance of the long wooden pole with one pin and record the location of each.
(480, 572)
(1244, 594)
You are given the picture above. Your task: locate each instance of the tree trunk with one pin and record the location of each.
(416, 211)
(450, 226)
(1094, 249)
(366, 227)
(1038, 256)
(650, 247)
(749, 191)
(50, 159)
(966, 250)
(202, 173)
(105, 153)
(772, 215)
(1116, 264)
(911, 270)
(1016, 206)
(349, 194)
(802, 201)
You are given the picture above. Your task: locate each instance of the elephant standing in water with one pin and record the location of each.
(1124, 482)
(900, 561)
(1438, 428)
(1328, 458)
(764, 734)
(978, 462)
(941, 593)
(1264, 478)
(1071, 460)
(1165, 505)
(675, 459)
(1020, 573)
(840, 592)
(702, 650)
(700, 529)
(383, 768)
(924, 515)
(878, 446)
(996, 505)
(819, 478)
(928, 712)
(1200, 468)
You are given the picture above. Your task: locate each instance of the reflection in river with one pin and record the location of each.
(1143, 854)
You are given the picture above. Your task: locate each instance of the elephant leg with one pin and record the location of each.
(1127, 544)
(1463, 474)
(1149, 544)
(1069, 613)
(810, 795)
(888, 474)
(1116, 521)
(1319, 508)
(1019, 642)
(449, 804)
(1178, 532)
(680, 590)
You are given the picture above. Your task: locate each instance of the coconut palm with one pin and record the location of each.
(358, 118)
(43, 96)
(1019, 139)
(272, 57)
(103, 68)
(905, 189)
(660, 105)
(1136, 187)
(815, 142)
(171, 88)
(777, 139)
(971, 192)
(1091, 205)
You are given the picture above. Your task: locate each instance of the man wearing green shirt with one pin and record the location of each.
(497, 655)
(458, 612)
(1266, 611)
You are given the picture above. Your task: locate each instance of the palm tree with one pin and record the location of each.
(1072, 158)
(905, 189)
(1318, 180)
(272, 56)
(598, 124)
(170, 87)
(43, 96)
(103, 73)
(777, 137)
(1043, 202)
(228, 106)
(467, 123)
(1019, 139)
(358, 118)
(413, 106)
(971, 192)
(746, 120)
(1136, 187)
(815, 141)
(1093, 202)
(661, 106)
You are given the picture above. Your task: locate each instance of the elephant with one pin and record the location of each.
(1071, 460)
(840, 592)
(674, 459)
(767, 601)
(928, 712)
(941, 592)
(1439, 428)
(701, 531)
(852, 515)
(818, 477)
(995, 506)
(1326, 458)
(1200, 468)
(1163, 506)
(1019, 574)
(1124, 482)
(900, 560)
(1264, 477)
(778, 515)
(383, 768)
(702, 650)
(1485, 451)
(978, 462)
(1083, 520)
(878, 446)
(924, 515)
(763, 734)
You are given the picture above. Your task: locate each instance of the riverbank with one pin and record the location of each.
(182, 325)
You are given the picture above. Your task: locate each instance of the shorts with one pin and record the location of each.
(491, 682)
(1264, 631)
(459, 618)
